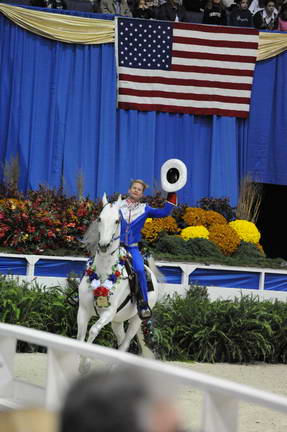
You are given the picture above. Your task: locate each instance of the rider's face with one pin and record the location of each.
(136, 191)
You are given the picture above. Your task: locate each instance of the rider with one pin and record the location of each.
(134, 214)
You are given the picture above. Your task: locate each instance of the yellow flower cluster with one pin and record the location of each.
(153, 227)
(247, 231)
(12, 203)
(198, 231)
(194, 216)
(225, 237)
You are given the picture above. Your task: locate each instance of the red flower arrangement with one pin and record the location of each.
(101, 291)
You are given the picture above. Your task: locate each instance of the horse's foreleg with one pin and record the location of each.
(105, 318)
(83, 317)
(118, 329)
(134, 325)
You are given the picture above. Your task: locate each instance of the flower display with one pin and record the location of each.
(225, 237)
(153, 227)
(46, 220)
(194, 216)
(194, 232)
(247, 231)
(214, 218)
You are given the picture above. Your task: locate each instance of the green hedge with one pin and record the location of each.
(243, 330)
(50, 309)
(193, 328)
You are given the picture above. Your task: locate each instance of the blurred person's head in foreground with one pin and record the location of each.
(124, 400)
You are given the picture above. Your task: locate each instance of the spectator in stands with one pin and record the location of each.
(267, 18)
(194, 9)
(119, 401)
(282, 18)
(172, 10)
(214, 13)
(50, 4)
(145, 9)
(115, 7)
(241, 16)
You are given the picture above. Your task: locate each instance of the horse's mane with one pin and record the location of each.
(91, 237)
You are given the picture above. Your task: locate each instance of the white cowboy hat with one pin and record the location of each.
(173, 175)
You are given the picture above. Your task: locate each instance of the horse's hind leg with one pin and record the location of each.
(118, 329)
(133, 327)
(145, 350)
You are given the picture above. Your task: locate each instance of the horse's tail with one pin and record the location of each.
(158, 274)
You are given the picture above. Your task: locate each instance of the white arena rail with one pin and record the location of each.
(186, 268)
(221, 397)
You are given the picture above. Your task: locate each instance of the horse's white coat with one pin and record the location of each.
(107, 254)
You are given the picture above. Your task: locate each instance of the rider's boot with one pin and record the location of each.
(144, 310)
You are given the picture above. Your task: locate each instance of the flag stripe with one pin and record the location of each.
(211, 70)
(211, 35)
(214, 56)
(214, 43)
(216, 29)
(183, 67)
(183, 96)
(184, 103)
(184, 75)
(213, 64)
(197, 89)
(184, 82)
(183, 110)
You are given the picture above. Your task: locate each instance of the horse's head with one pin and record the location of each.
(108, 224)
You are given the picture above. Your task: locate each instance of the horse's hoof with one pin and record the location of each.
(84, 366)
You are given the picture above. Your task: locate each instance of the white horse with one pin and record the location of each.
(103, 241)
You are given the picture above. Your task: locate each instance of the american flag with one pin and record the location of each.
(185, 68)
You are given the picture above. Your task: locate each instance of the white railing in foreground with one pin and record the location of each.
(221, 397)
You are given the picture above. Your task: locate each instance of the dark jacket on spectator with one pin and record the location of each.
(147, 13)
(260, 22)
(194, 5)
(51, 4)
(215, 15)
(241, 18)
(168, 12)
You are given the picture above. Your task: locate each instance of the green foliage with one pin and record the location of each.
(202, 247)
(220, 205)
(245, 330)
(51, 309)
(247, 249)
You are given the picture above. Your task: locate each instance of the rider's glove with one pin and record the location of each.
(172, 198)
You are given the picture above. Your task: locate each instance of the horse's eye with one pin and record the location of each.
(117, 221)
(99, 219)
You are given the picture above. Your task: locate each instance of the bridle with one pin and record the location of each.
(114, 237)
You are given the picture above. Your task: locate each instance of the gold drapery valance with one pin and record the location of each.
(75, 29)
(60, 27)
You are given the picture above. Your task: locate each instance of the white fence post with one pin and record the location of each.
(220, 413)
(62, 367)
(7, 351)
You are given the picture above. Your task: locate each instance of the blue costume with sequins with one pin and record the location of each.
(133, 217)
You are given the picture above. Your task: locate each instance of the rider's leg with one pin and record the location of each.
(138, 266)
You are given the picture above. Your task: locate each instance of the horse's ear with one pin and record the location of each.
(104, 199)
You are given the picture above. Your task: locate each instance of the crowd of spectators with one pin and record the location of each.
(259, 14)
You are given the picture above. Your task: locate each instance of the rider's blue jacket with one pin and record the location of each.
(134, 216)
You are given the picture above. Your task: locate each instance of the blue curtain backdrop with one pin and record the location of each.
(58, 114)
